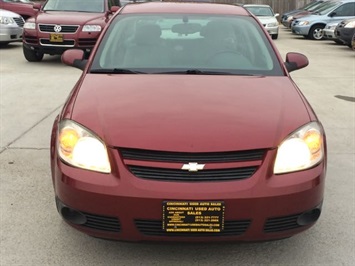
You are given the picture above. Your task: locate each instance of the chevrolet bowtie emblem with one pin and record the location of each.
(192, 167)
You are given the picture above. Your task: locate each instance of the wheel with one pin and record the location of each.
(31, 55)
(274, 36)
(316, 32)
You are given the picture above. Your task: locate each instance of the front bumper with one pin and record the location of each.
(122, 206)
(300, 30)
(345, 35)
(10, 34)
(329, 34)
(41, 41)
(272, 30)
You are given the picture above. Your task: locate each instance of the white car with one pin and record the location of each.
(11, 27)
(267, 17)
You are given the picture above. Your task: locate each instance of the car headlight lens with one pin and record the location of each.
(303, 23)
(92, 28)
(6, 20)
(301, 150)
(81, 148)
(29, 26)
(350, 24)
(290, 18)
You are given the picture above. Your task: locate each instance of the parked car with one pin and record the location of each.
(353, 42)
(10, 27)
(23, 7)
(345, 31)
(267, 17)
(288, 18)
(312, 26)
(185, 125)
(329, 32)
(63, 24)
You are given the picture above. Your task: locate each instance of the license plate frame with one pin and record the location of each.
(193, 216)
(56, 37)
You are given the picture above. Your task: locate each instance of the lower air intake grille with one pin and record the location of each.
(103, 223)
(164, 174)
(273, 225)
(154, 228)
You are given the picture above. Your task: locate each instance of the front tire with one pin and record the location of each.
(316, 32)
(32, 55)
(274, 36)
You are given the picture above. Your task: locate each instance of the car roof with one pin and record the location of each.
(184, 8)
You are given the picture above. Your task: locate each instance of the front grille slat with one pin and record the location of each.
(181, 175)
(64, 28)
(102, 223)
(19, 21)
(281, 223)
(154, 228)
(183, 157)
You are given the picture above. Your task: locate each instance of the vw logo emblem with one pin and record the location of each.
(57, 28)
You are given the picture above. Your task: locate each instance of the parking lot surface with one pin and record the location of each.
(32, 232)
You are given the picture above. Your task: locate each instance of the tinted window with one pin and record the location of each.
(162, 43)
(345, 10)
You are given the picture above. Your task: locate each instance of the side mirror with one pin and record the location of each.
(114, 9)
(37, 6)
(276, 15)
(332, 14)
(75, 58)
(295, 61)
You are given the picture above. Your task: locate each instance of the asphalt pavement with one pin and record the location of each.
(32, 232)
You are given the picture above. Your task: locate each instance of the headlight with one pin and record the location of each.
(6, 20)
(290, 18)
(81, 148)
(29, 26)
(350, 24)
(92, 28)
(301, 150)
(303, 23)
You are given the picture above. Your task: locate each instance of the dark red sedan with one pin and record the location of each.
(186, 126)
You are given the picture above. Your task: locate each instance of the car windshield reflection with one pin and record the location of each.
(175, 43)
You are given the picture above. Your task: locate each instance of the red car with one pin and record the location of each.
(23, 7)
(63, 24)
(186, 126)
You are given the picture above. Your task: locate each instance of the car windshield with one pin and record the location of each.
(190, 44)
(260, 11)
(75, 5)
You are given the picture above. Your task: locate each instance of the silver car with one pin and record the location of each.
(266, 16)
(329, 32)
(11, 25)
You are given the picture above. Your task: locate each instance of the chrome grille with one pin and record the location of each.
(19, 21)
(154, 228)
(65, 28)
(164, 174)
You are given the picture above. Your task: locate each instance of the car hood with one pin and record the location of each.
(72, 18)
(189, 113)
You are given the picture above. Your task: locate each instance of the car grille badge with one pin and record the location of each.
(193, 167)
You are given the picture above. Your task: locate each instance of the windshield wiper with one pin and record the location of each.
(203, 72)
(116, 71)
(196, 72)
